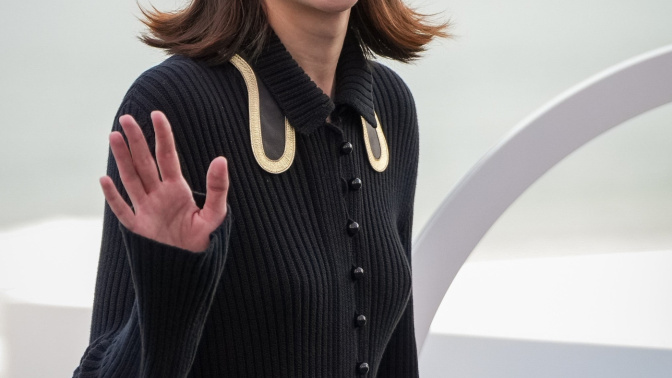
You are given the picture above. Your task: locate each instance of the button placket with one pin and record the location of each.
(352, 181)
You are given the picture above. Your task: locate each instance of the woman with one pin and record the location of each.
(290, 257)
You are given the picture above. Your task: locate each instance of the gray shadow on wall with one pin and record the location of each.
(451, 356)
(46, 341)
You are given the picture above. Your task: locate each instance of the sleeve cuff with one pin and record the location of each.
(174, 288)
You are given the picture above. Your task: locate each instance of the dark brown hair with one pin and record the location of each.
(214, 30)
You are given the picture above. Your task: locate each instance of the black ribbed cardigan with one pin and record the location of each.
(274, 295)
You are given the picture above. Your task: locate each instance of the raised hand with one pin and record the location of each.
(163, 206)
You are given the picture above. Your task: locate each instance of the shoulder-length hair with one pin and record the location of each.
(215, 30)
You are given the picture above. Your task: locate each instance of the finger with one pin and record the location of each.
(119, 207)
(142, 158)
(166, 155)
(129, 177)
(217, 188)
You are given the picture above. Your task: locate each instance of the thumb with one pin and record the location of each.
(217, 188)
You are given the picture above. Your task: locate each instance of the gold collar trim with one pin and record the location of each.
(379, 163)
(285, 161)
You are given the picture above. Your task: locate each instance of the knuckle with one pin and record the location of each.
(218, 187)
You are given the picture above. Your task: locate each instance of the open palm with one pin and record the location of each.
(163, 207)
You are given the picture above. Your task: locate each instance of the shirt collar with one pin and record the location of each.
(303, 103)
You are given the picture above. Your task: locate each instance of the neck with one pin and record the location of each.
(314, 38)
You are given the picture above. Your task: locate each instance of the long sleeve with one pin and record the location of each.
(151, 299)
(400, 359)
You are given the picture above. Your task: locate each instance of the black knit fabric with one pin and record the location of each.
(275, 294)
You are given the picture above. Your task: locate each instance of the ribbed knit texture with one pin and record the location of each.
(274, 294)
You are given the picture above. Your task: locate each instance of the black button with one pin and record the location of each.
(346, 148)
(358, 273)
(353, 228)
(361, 321)
(363, 368)
(355, 183)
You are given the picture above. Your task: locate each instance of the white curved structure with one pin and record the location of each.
(535, 145)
